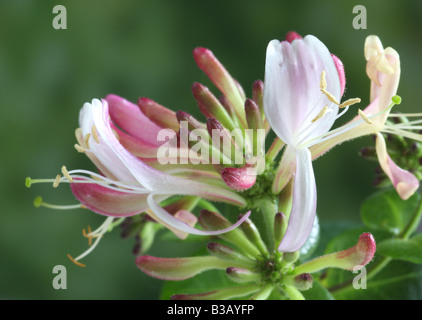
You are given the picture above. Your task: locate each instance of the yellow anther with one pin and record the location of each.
(88, 235)
(79, 148)
(323, 83)
(95, 134)
(86, 140)
(57, 181)
(320, 114)
(349, 102)
(66, 174)
(364, 117)
(75, 262)
(330, 96)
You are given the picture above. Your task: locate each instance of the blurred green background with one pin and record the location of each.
(144, 48)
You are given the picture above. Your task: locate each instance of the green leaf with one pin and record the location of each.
(317, 292)
(399, 280)
(407, 250)
(385, 210)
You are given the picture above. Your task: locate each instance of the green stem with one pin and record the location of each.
(413, 223)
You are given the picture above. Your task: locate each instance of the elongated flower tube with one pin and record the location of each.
(128, 185)
(383, 69)
(299, 113)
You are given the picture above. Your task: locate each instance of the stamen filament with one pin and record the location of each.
(98, 234)
(38, 202)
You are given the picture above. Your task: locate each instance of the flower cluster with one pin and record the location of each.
(156, 165)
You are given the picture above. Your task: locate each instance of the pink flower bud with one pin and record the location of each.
(292, 35)
(239, 179)
(355, 257)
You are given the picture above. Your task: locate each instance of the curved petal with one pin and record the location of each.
(292, 95)
(130, 118)
(303, 211)
(405, 182)
(129, 169)
(168, 219)
(105, 201)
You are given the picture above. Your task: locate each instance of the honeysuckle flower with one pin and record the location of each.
(129, 186)
(301, 94)
(383, 69)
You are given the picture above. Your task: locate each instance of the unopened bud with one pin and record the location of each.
(239, 179)
(279, 228)
(292, 35)
(210, 106)
(258, 93)
(359, 255)
(241, 275)
(228, 254)
(208, 63)
(301, 282)
(290, 257)
(158, 114)
(178, 268)
(192, 122)
(252, 233)
(211, 221)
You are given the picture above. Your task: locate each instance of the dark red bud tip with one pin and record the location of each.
(292, 35)
(182, 116)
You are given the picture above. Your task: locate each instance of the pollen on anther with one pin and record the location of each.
(76, 262)
(79, 148)
(320, 114)
(86, 140)
(95, 134)
(364, 117)
(330, 96)
(57, 181)
(323, 83)
(87, 235)
(349, 102)
(66, 174)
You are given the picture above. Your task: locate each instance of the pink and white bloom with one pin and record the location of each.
(127, 185)
(299, 113)
(383, 69)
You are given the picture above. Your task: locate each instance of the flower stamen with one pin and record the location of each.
(95, 134)
(38, 202)
(320, 114)
(79, 148)
(75, 261)
(66, 174)
(86, 140)
(349, 102)
(364, 117)
(57, 181)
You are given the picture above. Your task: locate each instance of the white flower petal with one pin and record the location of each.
(292, 95)
(303, 211)
(167, 219)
